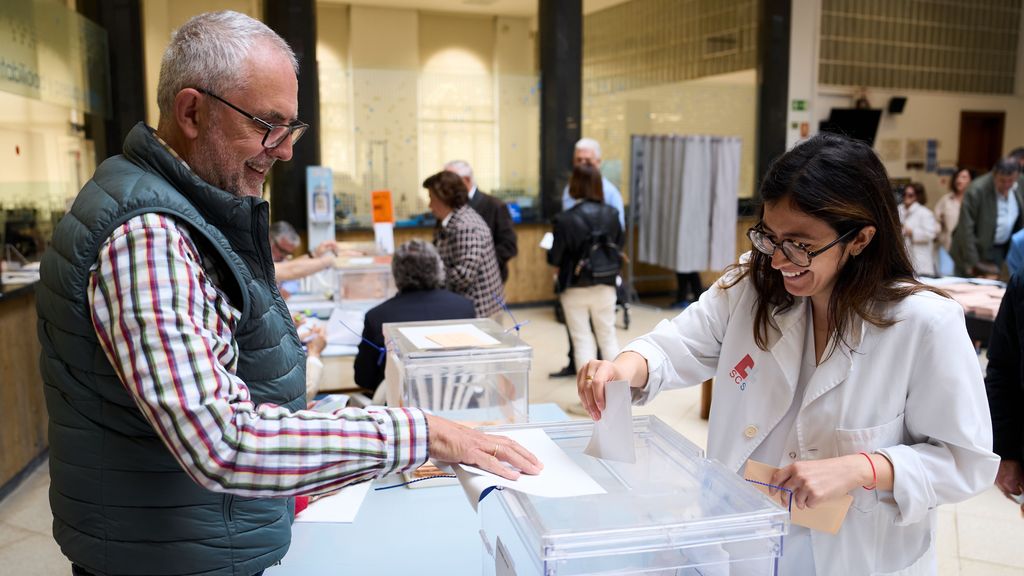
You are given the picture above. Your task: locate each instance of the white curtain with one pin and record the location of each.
(685, 188)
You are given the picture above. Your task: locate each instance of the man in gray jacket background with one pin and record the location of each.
(992, 210)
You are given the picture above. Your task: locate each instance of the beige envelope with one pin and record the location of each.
(827, 516)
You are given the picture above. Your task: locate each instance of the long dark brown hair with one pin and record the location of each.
(586, 184)
(841, 182)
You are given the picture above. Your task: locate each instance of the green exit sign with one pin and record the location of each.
(799, 105)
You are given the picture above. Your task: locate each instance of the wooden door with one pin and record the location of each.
(981, 140)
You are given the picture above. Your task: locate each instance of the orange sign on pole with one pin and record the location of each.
(383, 209)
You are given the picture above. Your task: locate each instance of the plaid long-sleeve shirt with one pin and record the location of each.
(167, 330)
(470, 262)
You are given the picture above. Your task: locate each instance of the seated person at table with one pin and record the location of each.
(314, 340)
(284, 241)
(419, 277)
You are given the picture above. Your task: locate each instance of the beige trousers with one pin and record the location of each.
(585, 305)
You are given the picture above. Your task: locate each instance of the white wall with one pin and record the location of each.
(927, 114)
(722, 105)
(803, 67)
(160, 18)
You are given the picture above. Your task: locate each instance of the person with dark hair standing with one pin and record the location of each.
(587, 152)
(420, 279)
(832, 363)
(495, 214)
(174, 376)
(919, 228)
(587, 297)
(1004, 381)
(992, 210)
(465, 245)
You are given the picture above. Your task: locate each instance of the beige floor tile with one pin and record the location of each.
(36, 555)
(28, 507)
(949, 566)
(11, 535)
(991, 504)
(975, 568)
(948, 539)
(990, 540)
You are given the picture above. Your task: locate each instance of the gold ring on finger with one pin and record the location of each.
(494, 454)
(589, 378)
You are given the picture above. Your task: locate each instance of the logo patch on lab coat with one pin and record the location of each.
(742, 372)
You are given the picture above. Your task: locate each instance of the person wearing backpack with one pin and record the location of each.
(587, 251)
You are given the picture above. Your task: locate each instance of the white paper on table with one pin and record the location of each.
(345, 326)
(560, 478)
(613, 433)
(359, 261)
(338, 508)
(384, 236)
(420, 335)
(330, 403)
(547, 241)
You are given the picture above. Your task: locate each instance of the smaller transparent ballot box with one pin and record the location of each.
(671, 513)
(363, 281)
(468, 370)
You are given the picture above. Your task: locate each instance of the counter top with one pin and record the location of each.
(12, 291)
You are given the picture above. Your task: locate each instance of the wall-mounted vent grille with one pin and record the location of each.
(950, 45)
(648, 42)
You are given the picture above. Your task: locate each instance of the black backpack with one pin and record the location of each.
(602, 258)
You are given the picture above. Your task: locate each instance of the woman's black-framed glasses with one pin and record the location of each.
(275, 133)
(793, 251)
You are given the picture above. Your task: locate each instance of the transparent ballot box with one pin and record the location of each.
(671, 513)
(468, 370)
(363, 281)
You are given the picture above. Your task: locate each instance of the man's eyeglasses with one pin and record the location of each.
(795, 252)
(275, 133)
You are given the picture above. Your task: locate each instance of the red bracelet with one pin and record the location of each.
(874, 475)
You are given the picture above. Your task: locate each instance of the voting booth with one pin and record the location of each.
(672, 512)
(469, 370)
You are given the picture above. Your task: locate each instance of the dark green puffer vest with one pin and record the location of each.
(121, 503)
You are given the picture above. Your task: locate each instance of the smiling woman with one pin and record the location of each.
(832, 364)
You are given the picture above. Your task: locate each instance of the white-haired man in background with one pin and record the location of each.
(588, 153)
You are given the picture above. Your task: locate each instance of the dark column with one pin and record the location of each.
(561, 102)
(122, 20)
(295, 21)
(773, 82)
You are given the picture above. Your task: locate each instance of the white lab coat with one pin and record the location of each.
(913, 391)
(921, 243)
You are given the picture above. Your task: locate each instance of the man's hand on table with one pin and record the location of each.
(451, 442)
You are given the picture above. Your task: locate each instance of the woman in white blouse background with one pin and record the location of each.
(919, 229)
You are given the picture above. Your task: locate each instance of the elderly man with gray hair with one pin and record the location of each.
(289, 268)
(992, 209)
(419, 276)
(174, 374)
(587, 152)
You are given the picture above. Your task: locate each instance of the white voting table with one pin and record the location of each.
(430, 530)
